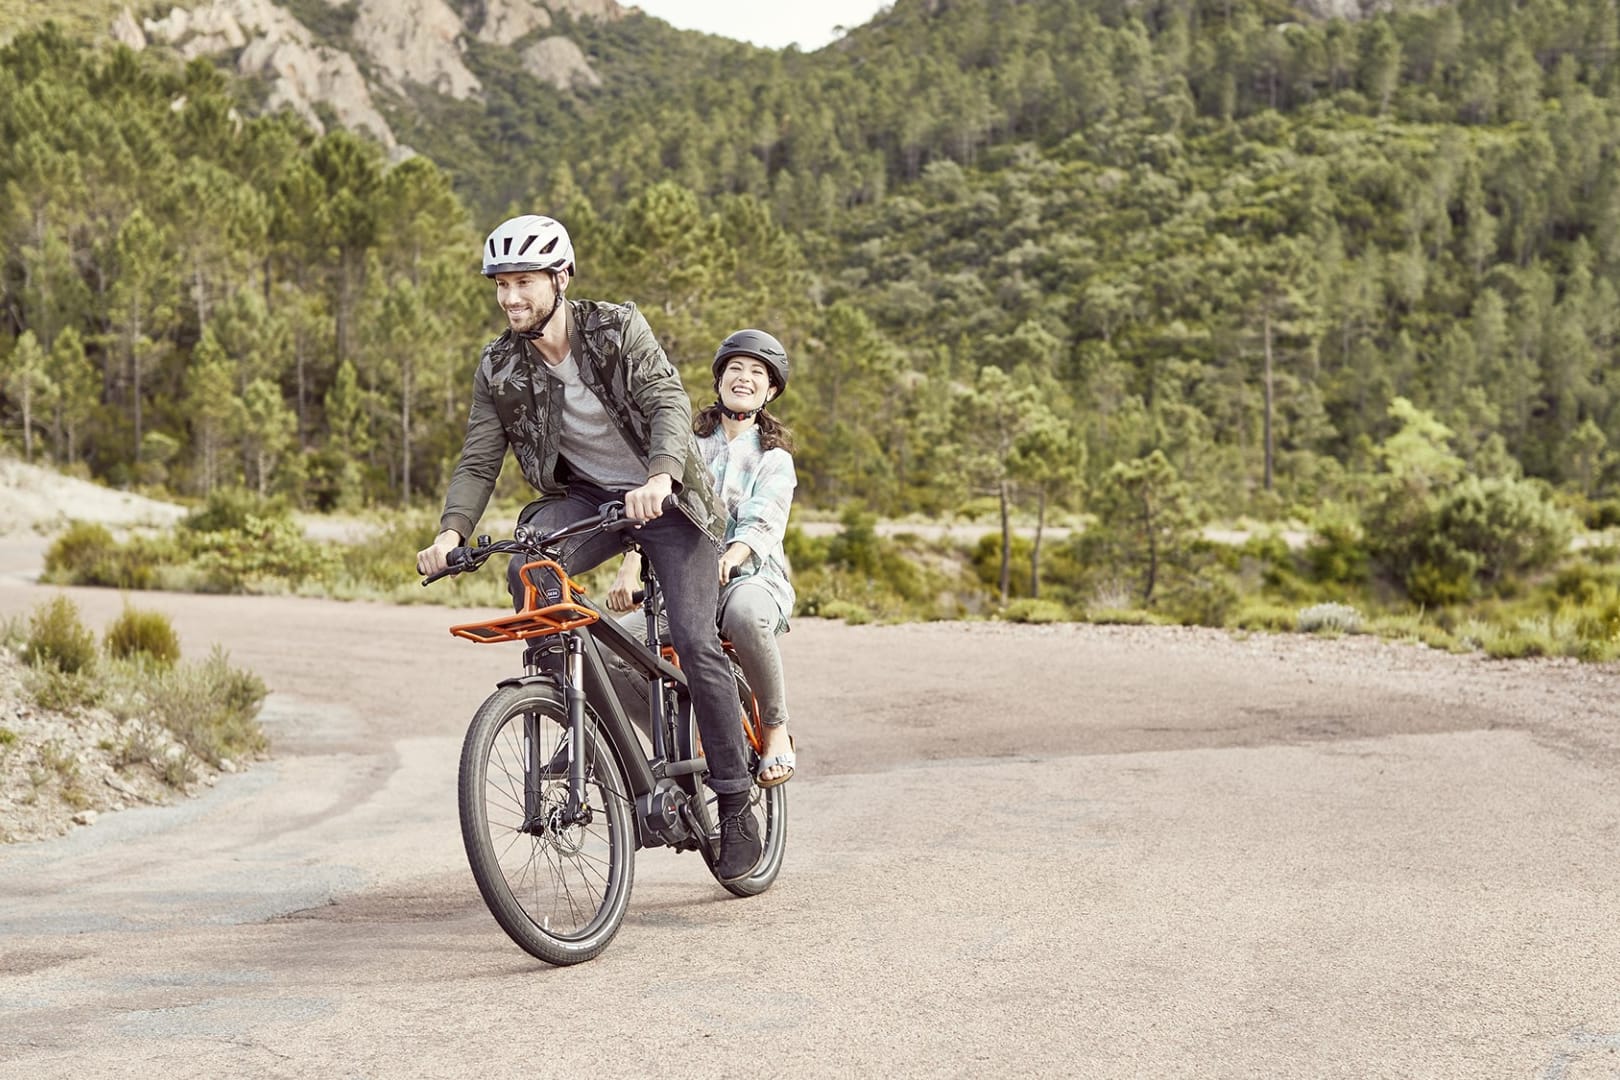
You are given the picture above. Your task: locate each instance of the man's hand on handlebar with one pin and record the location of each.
(433, 559)
(647, 501)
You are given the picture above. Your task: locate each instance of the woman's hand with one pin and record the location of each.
(624, 583)
(734, 556)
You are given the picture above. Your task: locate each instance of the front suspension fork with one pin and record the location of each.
(576, 810)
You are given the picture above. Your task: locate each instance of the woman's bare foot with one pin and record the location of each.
(776, 757)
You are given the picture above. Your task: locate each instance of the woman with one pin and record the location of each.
(749, 454)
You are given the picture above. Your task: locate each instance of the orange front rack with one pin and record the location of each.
(533, 621)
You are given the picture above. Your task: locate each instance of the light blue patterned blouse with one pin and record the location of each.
(756, 488)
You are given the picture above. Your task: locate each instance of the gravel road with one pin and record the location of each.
(1014, 851)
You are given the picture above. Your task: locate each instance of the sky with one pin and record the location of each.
(774, 24)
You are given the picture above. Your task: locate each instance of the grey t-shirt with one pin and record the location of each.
(593, 446)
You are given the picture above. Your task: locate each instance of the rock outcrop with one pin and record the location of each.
(417, 41)
(399, 44)
(560, 62)
(603, 10)
(505, 21)
(271, 44)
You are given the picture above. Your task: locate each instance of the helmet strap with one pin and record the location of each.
(739, 416)
(534, 335)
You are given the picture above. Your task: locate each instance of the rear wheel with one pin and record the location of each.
(767, 805)
(558, 887)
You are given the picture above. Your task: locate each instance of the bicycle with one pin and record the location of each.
(550, 832)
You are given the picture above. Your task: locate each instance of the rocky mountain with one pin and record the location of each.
(388, 47)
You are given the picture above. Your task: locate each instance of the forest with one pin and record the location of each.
(1139, 265)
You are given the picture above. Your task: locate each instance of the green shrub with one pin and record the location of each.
(987, 563)
(87, 554)
(1414, 628)
(1207, 597)
(1261, 615)
(211, 707)
(1444, 547)
(1518, 644)
(853, 614)
(861, 552)
(62, 691)
(1601, 514)
(233, 510)
(7, 736)
(1329, 618)
(143, 633)
(1121, 617)
(1337, 551)
(1028, 610)
(56, 638)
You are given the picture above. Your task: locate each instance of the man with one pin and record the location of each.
(594, 411)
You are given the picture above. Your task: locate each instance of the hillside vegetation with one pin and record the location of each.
(1147, 263)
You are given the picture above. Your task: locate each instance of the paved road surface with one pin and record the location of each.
(1014, 851)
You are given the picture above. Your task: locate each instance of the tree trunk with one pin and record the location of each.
(1035, 556)
(1153, 553)
(1269, 402)
(28, 415)
(405, 389)
(1006, 546)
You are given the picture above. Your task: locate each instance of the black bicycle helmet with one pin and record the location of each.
(762, 347)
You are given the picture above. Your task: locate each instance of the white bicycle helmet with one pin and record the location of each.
(530, 242)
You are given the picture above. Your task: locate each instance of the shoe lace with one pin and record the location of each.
(732, 824)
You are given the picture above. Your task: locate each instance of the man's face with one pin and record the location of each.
(526, 296)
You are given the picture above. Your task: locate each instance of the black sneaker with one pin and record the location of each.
(739, 846)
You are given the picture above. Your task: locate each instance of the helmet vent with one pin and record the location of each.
(531, 238)
(549, 248)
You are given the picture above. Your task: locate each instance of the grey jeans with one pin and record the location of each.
(750, 621)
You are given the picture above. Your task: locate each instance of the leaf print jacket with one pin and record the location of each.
(515, 405)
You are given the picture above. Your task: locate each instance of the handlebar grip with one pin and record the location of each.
(455, 560)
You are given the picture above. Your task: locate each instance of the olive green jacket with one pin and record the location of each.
(515, 405)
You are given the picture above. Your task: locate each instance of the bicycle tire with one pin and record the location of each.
(560, 893)
(768, 805)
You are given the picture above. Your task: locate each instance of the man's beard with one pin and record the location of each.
(534, 332)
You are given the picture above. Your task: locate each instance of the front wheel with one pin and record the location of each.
(557, 885)
(768, 805)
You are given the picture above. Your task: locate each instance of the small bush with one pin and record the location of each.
(1518, 644)
(143, 633)
(211, 708)
(1120, 617)
(1413, 628)
(1206, 598)
(1258, 615)
(7, 736)
(58, 639)
(87, 554)
(1030, 610)
(62, 691)
(853, 614)
(1329, 618)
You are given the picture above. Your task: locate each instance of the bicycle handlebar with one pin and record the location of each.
(609, 518)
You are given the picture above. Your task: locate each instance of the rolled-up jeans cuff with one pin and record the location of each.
(731, 786)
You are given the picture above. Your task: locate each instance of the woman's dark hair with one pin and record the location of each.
(772, 432)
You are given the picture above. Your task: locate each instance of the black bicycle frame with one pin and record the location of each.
(587, 680)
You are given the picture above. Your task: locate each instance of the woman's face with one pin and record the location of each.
(745, 384)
